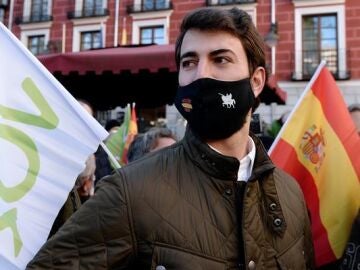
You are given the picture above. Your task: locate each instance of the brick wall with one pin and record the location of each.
(286, 45)
(353, 36)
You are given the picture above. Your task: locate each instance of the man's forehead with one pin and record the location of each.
(196, 42)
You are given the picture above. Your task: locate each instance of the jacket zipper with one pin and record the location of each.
(240, 194)
(242, 222)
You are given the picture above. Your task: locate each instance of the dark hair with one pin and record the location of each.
(233, 21)
(144, 143)
(111, 123)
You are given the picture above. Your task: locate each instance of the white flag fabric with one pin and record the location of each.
(45, 138)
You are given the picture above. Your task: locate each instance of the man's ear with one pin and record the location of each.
(258, 80)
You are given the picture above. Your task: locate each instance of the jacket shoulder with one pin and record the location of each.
(152, 165)
(287, 184)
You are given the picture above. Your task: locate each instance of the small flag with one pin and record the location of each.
(116, 142)
(318, 146)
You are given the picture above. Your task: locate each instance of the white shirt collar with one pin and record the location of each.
(246, 163)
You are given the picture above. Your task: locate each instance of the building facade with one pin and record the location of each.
(299, 33)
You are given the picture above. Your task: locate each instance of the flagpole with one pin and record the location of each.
(307, 88)
(112, 158)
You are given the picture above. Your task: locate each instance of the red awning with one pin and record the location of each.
(152, 58)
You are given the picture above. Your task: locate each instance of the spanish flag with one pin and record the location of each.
(319, 147)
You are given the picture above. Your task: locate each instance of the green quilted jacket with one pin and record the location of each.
(183, 208)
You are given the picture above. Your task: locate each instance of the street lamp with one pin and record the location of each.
(272, 38)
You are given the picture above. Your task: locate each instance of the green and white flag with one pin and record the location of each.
(45, 138)
(116, 141)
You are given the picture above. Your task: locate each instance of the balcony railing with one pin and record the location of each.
(337, 61)
(4, 3)
(53, 46)
(88, 13)
(228, 2)
(149, 6)
(35, 18)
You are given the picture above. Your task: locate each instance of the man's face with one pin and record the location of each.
(217, 55)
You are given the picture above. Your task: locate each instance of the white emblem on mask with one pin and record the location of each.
(228, 101)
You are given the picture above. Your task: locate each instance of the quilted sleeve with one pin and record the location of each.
(98, 236)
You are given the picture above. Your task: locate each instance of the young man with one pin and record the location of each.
(214, 200)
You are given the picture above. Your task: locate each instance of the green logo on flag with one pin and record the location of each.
(47, 120)
(8, 220)
(27, 145)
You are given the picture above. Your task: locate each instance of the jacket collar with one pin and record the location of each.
(262, 161)
(220, 166)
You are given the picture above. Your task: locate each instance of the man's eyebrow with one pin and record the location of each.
(188, 54)
(220, 51)
(212, 54)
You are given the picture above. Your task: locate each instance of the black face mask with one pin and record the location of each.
(215, 109)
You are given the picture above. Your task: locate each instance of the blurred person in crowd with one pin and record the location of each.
(150, 141)
(103, 166)
(354, 110)
(214, 200)
(85, 181)
(112, 125)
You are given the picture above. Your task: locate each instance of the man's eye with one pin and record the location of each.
(187, 63)
(221, 60)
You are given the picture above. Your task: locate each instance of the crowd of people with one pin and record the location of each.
(212, 200)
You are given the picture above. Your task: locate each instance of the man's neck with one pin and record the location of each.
(236, 145)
